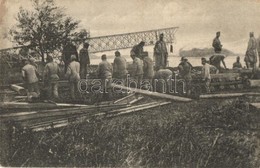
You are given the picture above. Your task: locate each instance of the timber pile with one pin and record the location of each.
(53, 115)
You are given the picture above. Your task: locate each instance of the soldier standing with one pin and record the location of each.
(104, 72)
(217, 44)
(51, 77)
(84, 60)
(73, 75)
(29, 74)
(160, 53)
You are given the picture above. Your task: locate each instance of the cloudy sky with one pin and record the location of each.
(198, 20)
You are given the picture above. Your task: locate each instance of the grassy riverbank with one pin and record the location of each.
(198, 134)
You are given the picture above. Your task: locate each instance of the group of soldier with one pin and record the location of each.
(142, 68)
(76, 68)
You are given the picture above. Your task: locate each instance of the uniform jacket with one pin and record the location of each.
(29, 73)
(73, 72)
(148, 68)
(104, 70)
(119, 66)
(51, 71)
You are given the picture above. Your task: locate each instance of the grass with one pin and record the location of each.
(178, 135)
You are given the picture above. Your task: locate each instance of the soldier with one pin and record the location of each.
(258, 49)
(137, 70)
(237, 64)
(185, 72)
(29, 74)
(138, 50)
(69, 50)
(217, 44)
(160, 53)
(206, 74)
(251, 53)
(148, 68)
(119, 66)
(84, 60)
(216, 61)
(73, 75)
(51, 77)
(104, 72)
(162, 80)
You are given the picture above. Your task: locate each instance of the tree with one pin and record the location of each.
(45, 29)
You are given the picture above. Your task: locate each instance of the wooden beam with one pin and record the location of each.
(56, 112)
(152, 94)
(254, 83)
(125, 99)
(19, 89)
(113, 113)
(228, 95)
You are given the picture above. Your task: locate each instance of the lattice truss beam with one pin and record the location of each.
(121, 41)
(128, 40)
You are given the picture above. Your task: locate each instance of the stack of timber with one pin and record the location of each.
(61, 122)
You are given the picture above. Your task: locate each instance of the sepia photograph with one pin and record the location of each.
(130, 83)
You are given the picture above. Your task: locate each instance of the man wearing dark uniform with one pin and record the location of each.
(217, 44)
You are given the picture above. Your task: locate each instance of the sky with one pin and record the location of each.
(198, 20)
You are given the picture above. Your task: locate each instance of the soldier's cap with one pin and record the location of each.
(161, 34)
(32, 60)
(142, 42)
(203, 59)
(184, 58)
(104, 56)
(218, 32)
(73, 57)
(117, 53)
(49, 58)
(86, 44)
(252, 33)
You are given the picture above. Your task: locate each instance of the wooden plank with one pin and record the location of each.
(136, 100)
(153, 94)
(223, 95)
(39, 105)
(113, 113)
(254, 83)
(228, 95)
(19, 89)
(255, 105)
(56, 113)
(125, 99)
(53, 119)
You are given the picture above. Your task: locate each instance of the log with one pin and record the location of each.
(19, 89)
(152, 94)
(224, 95)
(228, 95)
(254, 83)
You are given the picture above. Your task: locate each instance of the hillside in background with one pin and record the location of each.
(197, 52)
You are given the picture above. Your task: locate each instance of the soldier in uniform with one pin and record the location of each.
(217, 44)
(160, 53)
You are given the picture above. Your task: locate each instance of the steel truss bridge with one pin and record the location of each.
(121, 41)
